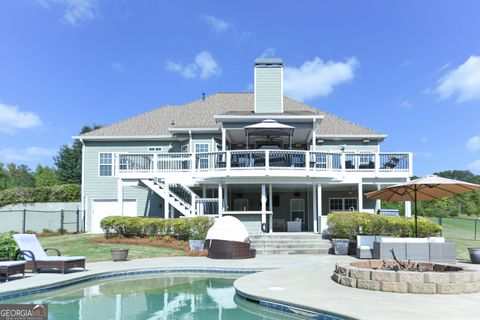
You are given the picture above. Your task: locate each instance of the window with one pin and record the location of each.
(202, 159)
(105, 161)
(297, 209)
(343, 204)
(184, 148)
(155, 149)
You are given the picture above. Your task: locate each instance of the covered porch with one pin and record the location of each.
(288, 207)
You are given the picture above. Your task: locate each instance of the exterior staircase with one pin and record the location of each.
(179, 196)
(289, 243)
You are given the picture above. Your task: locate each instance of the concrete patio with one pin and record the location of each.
(297, 280)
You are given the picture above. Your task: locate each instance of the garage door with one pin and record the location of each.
(105, 208)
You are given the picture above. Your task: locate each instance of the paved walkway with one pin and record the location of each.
(302, 280)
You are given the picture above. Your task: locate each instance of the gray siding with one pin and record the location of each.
(268, 90)
(96, 187)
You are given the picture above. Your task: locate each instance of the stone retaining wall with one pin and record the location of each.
(366, 275)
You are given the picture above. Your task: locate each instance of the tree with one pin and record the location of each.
(45, 177)
(19, 176)
(69, 159)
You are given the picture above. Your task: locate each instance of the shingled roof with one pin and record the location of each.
(200, 114)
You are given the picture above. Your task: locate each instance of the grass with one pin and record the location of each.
(85, 245)
(462, 232)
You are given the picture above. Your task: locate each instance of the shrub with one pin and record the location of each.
(60, 193)
(120, 226)
(8, 246)
(346, 225)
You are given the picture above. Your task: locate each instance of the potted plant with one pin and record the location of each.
(474, 255)
(198, 232)
(119, 254)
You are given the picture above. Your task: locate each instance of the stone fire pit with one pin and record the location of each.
(429, 278)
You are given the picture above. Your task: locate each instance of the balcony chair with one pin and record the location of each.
(36, 257)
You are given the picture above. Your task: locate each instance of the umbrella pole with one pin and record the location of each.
(416, 213)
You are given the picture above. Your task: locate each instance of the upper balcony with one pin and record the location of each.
(261, 163)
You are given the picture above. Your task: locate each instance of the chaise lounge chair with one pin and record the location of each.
(36, 256)
(8, 268)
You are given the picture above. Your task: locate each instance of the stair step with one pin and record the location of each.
(292, 251)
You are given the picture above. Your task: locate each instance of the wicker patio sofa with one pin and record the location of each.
(8, 268)
(37, 259)
(420, 249)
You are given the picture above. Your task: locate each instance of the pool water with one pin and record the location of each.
(152, 297)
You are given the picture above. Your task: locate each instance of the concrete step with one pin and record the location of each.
(292, 251)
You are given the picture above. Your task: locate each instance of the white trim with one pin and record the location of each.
(82, 187)
(264, 116)
(111, 164)
(343, 203)
(352, 136)
(125, 138)
(186, 129)
(254, 91)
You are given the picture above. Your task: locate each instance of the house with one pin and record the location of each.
(275, 163)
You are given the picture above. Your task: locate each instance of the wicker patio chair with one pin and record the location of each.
(37, 259)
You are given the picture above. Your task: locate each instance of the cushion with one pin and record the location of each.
(11, 263)
(436, 240)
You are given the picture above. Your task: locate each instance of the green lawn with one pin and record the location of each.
(83, 245)
(462, 232)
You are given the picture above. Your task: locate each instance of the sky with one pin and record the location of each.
(408, 69)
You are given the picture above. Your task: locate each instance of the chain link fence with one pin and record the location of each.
(38, 220)
(459, 228)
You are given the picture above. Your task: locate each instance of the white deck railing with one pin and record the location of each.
(264, 160)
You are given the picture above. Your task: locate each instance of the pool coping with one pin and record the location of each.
(271, 304)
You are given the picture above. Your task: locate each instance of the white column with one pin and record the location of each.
(263, 200)
(408, 209)
(270, 206)
(378, 202)
(360, 197)
(166, 202)
(224, 139)
(319, 208)
(225, 197)
(220, 199)
(314, 205)
(120, 196)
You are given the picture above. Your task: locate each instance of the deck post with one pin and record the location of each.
(224, 139)
(314, 205)
(166, 204)
(263, 200)
(225, 197)
(220, 200)
(378, 202)
(319, 208)
(360, 196)
(270, 206)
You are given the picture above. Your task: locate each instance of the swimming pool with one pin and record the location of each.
(160, 296)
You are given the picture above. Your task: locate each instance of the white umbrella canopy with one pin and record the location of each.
(430, 187)
(228, 228)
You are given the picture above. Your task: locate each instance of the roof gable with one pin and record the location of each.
(200, 114)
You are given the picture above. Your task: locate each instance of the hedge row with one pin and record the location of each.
(186, 228)
(347, 225)
(60, 193)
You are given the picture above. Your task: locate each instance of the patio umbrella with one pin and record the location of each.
(431, 187)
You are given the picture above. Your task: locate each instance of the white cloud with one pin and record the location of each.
(118, 67)
(317, 78)
(216, 24)
(30, 154)
(462, 82)
(73, 11)
(406, 105)
(13, 120)
(474, 166)
(203, 67)
(473, 143)
(269, 52)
